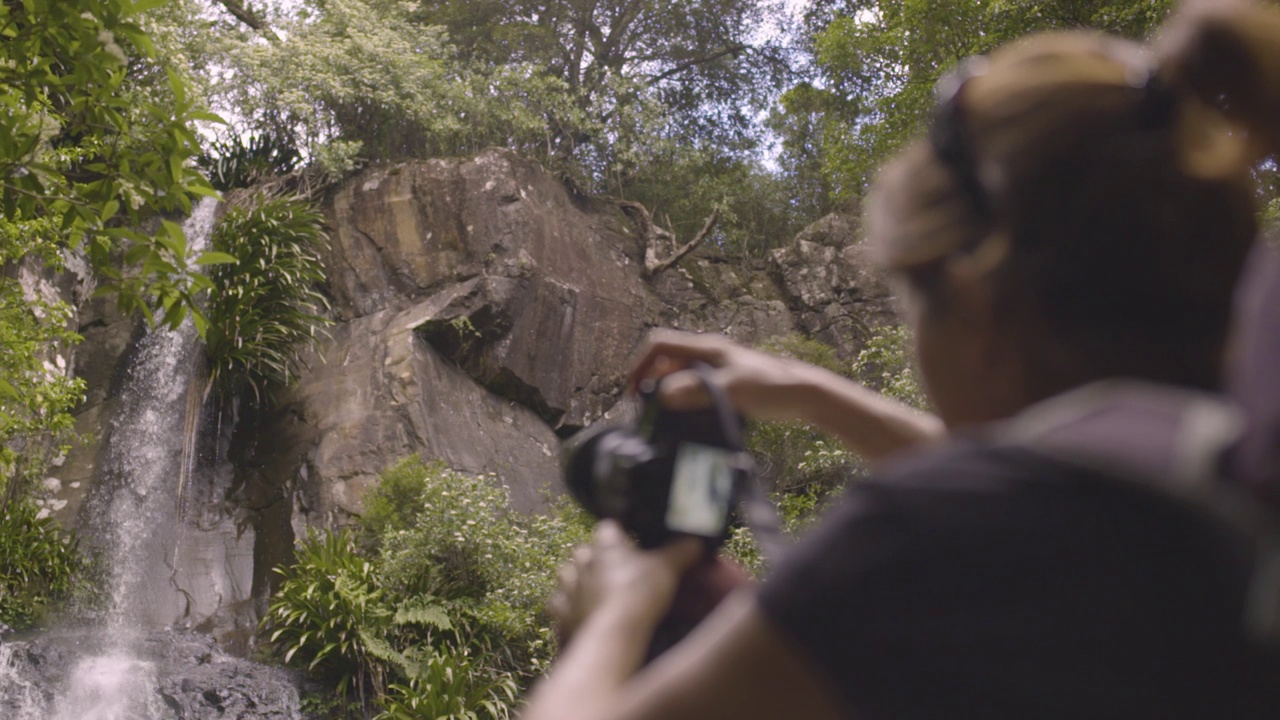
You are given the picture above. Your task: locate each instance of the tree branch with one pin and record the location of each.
(653, 235)
(694, 62)
(688, 247)
(246, 15)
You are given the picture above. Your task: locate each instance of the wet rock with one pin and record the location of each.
(74, 673)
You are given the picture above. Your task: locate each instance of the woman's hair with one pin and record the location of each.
(1107, 186)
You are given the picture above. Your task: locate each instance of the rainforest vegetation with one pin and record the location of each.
(117, 115)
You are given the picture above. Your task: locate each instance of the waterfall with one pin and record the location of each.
(147, 460)
(135, 667)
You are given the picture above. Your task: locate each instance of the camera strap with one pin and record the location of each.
(760, 515)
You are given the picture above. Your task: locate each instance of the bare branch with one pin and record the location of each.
(688, 247)
(246, 15)
(654, 235)
(694, 62)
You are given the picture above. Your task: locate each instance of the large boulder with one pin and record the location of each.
(561, 303)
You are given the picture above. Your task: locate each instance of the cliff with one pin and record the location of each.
(483, 312)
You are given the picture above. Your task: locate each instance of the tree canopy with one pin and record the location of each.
(875, 63)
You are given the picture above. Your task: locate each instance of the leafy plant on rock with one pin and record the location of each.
(40, 566)
(239, 162)
(885, 364)
(449, 686)
(807, 467)
(265, 306)
(37, 391)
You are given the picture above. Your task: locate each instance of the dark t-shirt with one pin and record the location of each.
(991, 582)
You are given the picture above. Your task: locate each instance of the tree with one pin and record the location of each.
(94, 140)
(84, 145)
(652, 101)
(703, 67)
(876, 63)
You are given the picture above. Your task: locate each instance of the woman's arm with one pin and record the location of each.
(773, 387)
(733, 665)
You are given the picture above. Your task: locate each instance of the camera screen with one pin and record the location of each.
(701, 490)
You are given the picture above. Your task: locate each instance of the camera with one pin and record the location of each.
(667, 473)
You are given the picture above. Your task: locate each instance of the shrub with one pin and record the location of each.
(886, 364)
(40, 567)
(239, 162)
(37, 392)
(797, 510)
(328, 606)
(449, 686)
(493, 568)
(265, 307)
(791, 455)
(438, 609)
(809, 468)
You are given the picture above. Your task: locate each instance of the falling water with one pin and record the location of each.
(146, 459)
(137, 519)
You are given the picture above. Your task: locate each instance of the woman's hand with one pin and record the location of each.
(614, 577)
(771, 387)
(756, 382)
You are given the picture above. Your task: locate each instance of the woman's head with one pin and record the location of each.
(1082, 209)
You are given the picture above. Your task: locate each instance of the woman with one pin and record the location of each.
(1080, 213)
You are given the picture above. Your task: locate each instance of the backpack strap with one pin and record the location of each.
(1171, 443)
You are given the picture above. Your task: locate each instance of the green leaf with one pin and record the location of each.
(207, 117)
(204, 191)
(213, 257)
(432, 616)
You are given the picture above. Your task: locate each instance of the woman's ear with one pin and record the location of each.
(971, 278)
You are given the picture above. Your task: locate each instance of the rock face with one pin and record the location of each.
(168, 676)
(830, 285)
(482, 313)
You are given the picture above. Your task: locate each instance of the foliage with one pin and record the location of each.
(788, 452)
(239, 162)
(885, 364)
(81, 150)
(40, 567)
(876, 62)
(662, 98)
(641, 100)
(265, 305)
(808, 468)
(681, 186)
(37, 392)
(437, 609)
(364, 76)
(797, 511)
(95, 140)
(449, 687)
(327, 610)
(494, 568)
(799, 459)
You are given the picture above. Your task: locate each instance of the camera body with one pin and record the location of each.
(668, 473)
